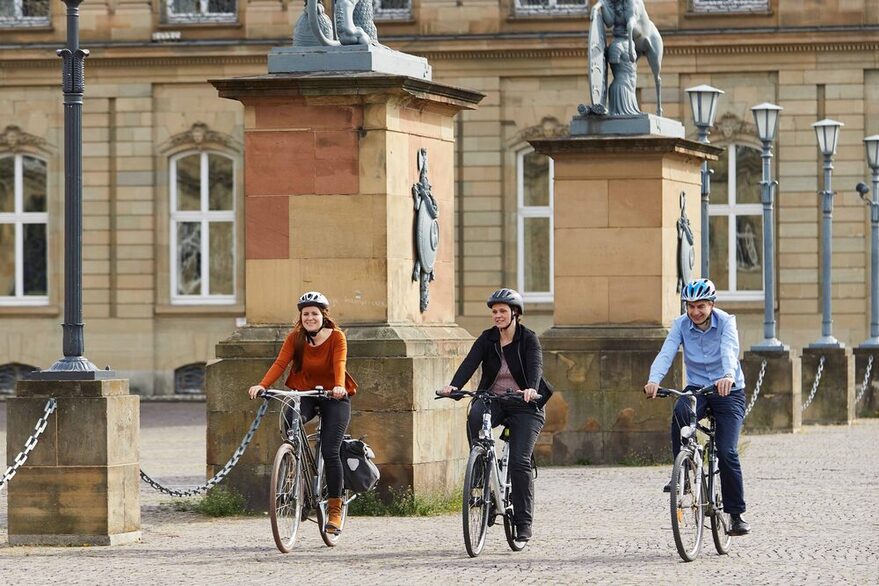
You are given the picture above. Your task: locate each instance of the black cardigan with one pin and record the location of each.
(523, 355)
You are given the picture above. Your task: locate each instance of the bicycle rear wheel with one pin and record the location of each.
(686, 506)
(720, 521)
(330, 539)
(474, 512)
(285, 497)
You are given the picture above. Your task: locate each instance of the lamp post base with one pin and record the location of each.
(870, 343)
(72, 368)
(770, 345)
(827, 342)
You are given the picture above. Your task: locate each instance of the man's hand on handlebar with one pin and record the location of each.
(650, 390)
(255, 390)
(724, 386)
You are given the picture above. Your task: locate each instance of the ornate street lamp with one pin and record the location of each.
(827, 132)
(74, 366)
(703, 103)
(766, 118)
(871, 143)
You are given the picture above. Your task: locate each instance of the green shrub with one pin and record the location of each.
(404, 503)
(221, 502)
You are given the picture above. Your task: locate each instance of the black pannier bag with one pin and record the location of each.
(361, 473)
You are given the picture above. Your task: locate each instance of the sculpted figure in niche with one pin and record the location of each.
(633, 35)
(354, 24)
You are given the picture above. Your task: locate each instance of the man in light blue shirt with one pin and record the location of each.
(711, 357)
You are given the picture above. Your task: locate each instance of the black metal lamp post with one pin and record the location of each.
(703, 102)
(766, 117)
(827, 132)
(74, 366)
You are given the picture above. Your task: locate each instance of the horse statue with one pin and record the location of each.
(634, 34)
(354, 24)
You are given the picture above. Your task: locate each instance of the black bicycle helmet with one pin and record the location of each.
(509, 296)
(313, 299)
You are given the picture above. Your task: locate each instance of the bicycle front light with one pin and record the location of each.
(688, 432)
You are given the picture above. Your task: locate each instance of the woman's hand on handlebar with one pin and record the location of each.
(650, 390)
(446, 391)
(255, 390)
(529, 395)
(338, 393)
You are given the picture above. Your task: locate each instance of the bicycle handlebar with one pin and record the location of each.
(273, 393)
(664, 392)
(482, 394)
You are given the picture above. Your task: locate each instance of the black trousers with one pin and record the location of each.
(729, 412)
(334, 418)
(525, 422)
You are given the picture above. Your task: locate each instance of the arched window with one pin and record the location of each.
(534, 225)
(202, 231)
(189, 379)
(736, 224)
(10, 374)
(23, 234)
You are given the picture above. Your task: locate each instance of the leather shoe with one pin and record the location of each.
(667, 487)
(738, 526)
(523, 532)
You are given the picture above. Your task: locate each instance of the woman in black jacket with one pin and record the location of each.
(511, 358)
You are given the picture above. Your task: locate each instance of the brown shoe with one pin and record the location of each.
(334, 516)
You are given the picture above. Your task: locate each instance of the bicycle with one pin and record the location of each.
(695, 489)
(487, 487)
(298, 485)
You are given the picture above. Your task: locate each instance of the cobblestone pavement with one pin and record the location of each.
(813, 505)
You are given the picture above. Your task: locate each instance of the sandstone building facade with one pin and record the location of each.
(165, 224)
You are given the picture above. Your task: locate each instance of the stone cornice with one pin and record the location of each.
(579, 145)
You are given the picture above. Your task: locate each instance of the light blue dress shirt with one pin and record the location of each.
(708, 356)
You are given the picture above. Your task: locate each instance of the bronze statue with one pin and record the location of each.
(633, 35)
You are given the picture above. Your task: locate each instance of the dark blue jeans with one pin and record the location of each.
(728, 412)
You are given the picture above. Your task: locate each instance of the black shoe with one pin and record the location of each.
(523, 532)
(738, 526)
(667, 487)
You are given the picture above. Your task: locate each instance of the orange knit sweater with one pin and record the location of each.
(323, 365)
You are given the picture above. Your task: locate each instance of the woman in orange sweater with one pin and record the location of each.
(318, 350)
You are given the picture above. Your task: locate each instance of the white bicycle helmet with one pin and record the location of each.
(699, 290)
(313, 299)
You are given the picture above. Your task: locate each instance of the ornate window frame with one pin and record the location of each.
(199, 139)
(202, 15)
(18, 144)
(550, 8)
(19, 19)
(392, 13)
(735, 134)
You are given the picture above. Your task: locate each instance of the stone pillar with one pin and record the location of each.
(779, 406)
(81, 484)
(330, 162)
(834, 401)
(868, 406)
(616, 206)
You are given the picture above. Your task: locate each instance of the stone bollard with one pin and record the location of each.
(868, 406)
(834, 401)
(81, 484)
(779, 406)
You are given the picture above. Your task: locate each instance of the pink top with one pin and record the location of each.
(504, 379)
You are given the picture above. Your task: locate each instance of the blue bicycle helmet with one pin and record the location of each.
(699, 290)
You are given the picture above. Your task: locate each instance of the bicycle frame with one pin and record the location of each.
(498, 467)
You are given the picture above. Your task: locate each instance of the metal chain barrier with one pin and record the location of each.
(756, 389)
(866, 380)
(815, 384)
(219, 476)
(31, 442)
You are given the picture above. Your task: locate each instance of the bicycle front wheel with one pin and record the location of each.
(477, 496)
(686, 505)
(285, 497)
(720, 521)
